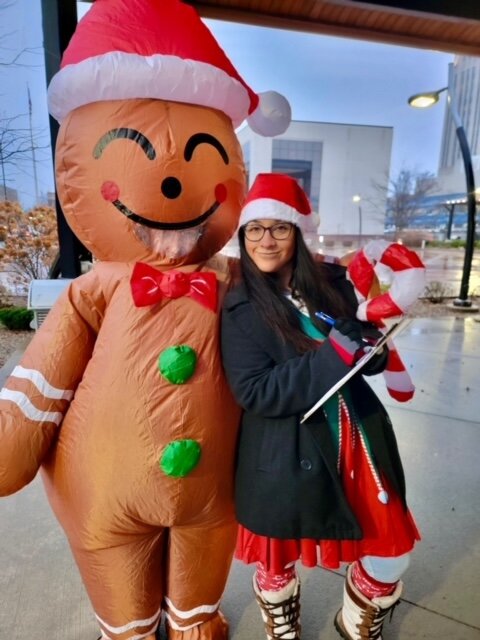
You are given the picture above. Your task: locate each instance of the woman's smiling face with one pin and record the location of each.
(150, 180)
(269, 254)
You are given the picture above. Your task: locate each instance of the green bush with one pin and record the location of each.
(450, 244)
(16, 318)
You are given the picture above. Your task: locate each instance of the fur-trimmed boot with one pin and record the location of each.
(280, 610)
(361, 618)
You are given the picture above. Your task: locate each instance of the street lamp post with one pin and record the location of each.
(421, 101)
(358, 199)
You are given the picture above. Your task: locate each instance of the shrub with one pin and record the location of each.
(414, 238)
(436, 292)
(450, 244)
(29, 243)
(16, 318)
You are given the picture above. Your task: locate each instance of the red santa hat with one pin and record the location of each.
(158, 49)
(276, 196)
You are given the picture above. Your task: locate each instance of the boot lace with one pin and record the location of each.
(280, 615)
(371, 625)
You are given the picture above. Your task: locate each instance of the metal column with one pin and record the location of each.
(59, 19)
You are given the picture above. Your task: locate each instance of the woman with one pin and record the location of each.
(332, 489)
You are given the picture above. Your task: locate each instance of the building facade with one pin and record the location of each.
(8, 193)
(464, 87)
(344, 169)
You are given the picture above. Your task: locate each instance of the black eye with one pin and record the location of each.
(171, 188)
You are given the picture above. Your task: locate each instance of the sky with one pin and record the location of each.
(326, 79)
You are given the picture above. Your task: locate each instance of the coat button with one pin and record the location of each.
(306, 464)
(177, 364)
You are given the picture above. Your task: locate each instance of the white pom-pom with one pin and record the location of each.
(312, 222)
(272, 115)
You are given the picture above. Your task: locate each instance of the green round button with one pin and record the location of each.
(180, 457)
(177, 364)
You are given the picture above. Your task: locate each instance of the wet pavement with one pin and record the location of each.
(446, 266)
(41, 596)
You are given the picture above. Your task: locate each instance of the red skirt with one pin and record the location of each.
(388, 529)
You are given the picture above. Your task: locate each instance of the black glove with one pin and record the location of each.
(350, 337)
(370, 333)
(376, 364)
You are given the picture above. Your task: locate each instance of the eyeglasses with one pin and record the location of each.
(280, 231)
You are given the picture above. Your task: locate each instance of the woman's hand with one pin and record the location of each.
(350, 338)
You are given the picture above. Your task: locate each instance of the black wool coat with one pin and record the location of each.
(287, 485)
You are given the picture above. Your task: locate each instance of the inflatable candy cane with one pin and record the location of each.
(407, 285)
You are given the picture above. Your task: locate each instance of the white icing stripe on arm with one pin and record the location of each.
(41, 383)
(28, 409)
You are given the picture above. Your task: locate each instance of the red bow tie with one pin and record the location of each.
(150, 286)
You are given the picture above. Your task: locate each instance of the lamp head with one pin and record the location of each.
(425, 99)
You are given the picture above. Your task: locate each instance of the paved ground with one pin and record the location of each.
(41, 597)
(446, 266)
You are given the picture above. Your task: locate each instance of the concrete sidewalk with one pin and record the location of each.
(41, 596)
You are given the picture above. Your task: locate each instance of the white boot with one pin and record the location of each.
(361, 618)
(280, 610)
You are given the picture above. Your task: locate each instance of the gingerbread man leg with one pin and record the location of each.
(125, 584)
(199, 559)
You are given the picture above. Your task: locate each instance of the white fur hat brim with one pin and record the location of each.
(270, 209)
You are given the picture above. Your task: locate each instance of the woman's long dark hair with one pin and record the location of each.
(311, 282)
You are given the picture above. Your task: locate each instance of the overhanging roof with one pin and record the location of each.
(445, 25)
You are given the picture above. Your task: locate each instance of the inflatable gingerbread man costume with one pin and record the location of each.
(120, 397)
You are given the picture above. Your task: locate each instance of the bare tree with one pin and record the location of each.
(404, 194)
(18, 140)
(10, 56)
(17, 143)
(14, 59)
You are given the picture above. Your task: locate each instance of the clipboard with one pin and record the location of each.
(394, 330)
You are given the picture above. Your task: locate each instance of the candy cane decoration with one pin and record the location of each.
(407, 285)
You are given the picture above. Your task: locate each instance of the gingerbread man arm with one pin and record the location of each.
(38, 393)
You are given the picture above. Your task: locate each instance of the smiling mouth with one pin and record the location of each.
(153, 224)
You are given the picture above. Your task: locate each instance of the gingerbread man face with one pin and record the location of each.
(150, 180)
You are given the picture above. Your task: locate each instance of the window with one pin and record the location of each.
(302, 160)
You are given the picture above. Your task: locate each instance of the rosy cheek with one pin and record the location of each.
(110, 191)
(220, 193)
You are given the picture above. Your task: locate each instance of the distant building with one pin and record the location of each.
(338, 165)
(443, 216)
(464, 86)
(51, 198)
(7, 193)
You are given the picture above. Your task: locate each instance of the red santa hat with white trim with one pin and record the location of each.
(159, 49)
(277, 196)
